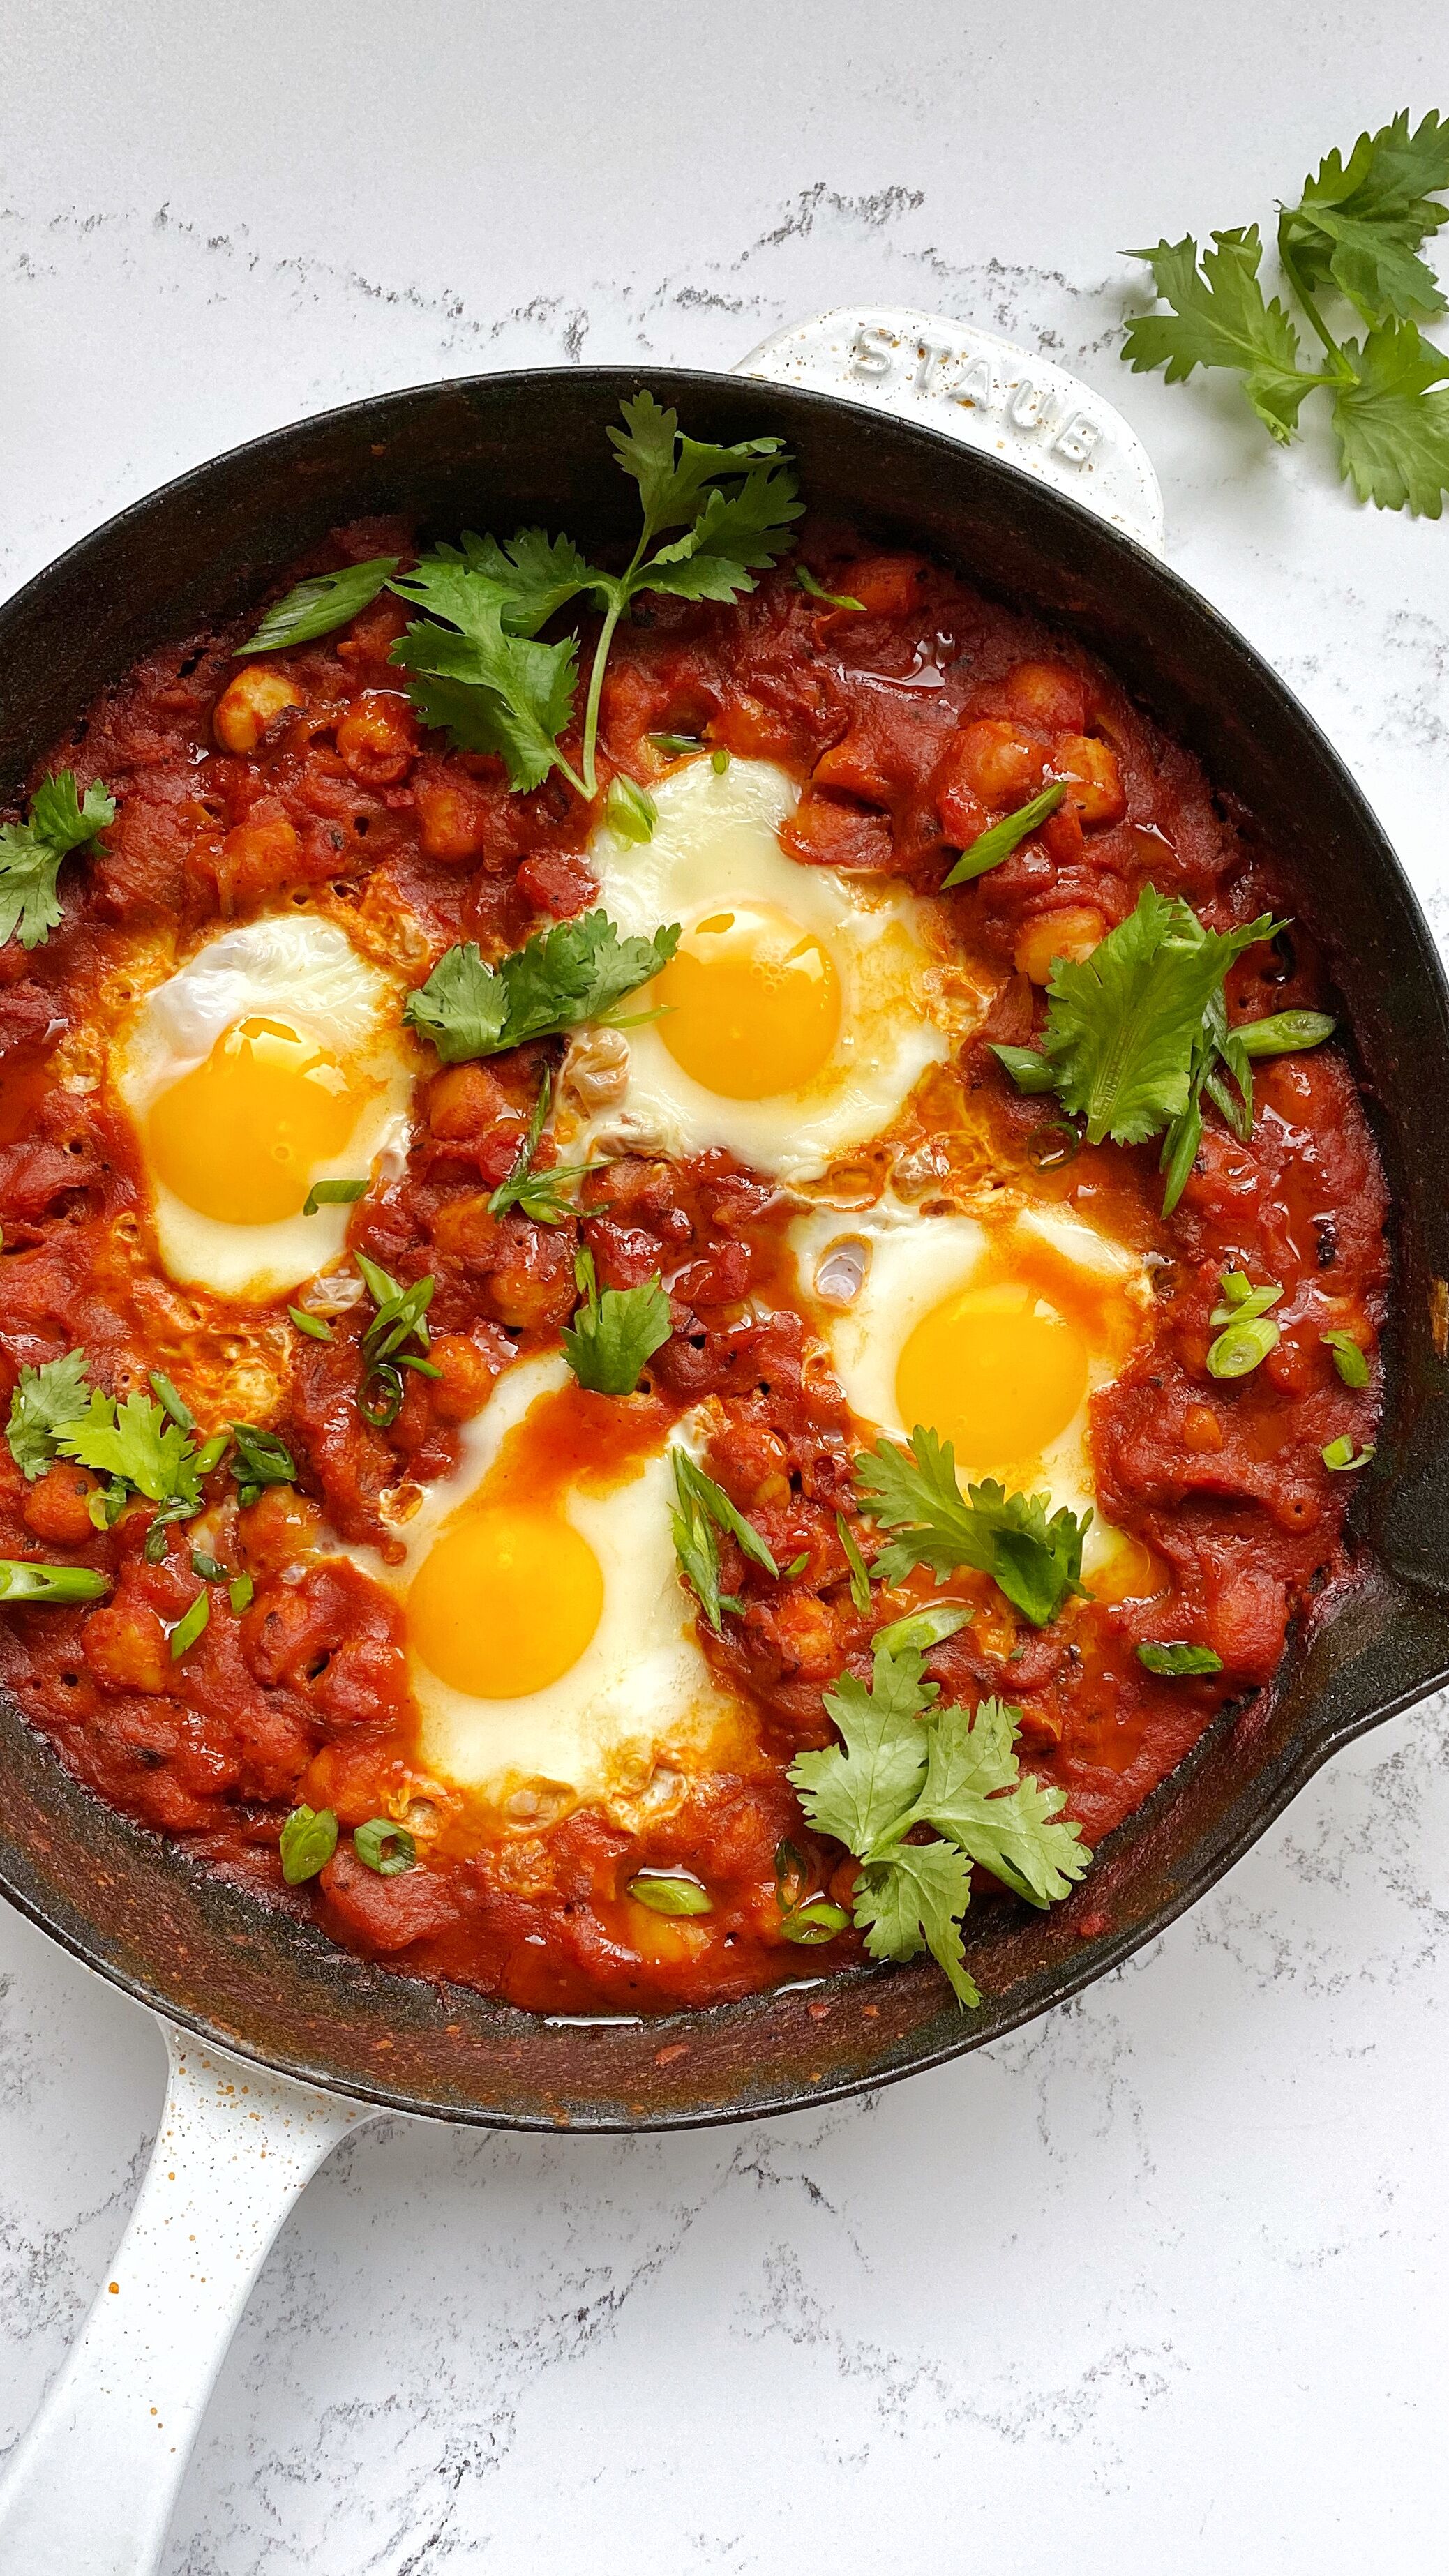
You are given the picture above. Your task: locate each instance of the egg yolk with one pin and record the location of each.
(505, 1602)
(996, 1371)
(753, 1002)
(241, 1136)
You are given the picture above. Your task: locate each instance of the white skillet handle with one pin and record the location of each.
(981, 390)
(91, 2487)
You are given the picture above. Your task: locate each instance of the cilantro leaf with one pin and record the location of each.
(1392, 429)
(143, 1452)
(859, 1790)
(672, 471)
(316, 607)
(574, 971)
(530, 576)
(613, 1335)
(735, 535)
(31, 853)
(902, 1764)
(1220, 318)
(1360, 222)
(1004, 1819)
(492, 691)
(1035, 1560)
(1123, 1023)
(703, 1508)
(46, 1400)
(914, 1901)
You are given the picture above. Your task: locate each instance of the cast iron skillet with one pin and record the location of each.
(497, 451)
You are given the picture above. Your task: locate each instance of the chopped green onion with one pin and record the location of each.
(1348, 1358)
(385, 1847)
(719, 761)
(211, 1453)
(1241, 1301)
(677, 746)
(818, 1921)
(997, 843)
(630, 810)
(311, 1325)
(796, 1566)
(1029, 1069)
(922, 1629)
(20, 1580)
(859, 1572)
(206, 1566)
(1178, 1658)
(1286, 1033)
(1340, 1455)
(309, 1839)
(187, 1630)
(170, 1402)
(670, 1895)
(830, 598)
(1243, 1347)
(332, 1194)
(239, 1593)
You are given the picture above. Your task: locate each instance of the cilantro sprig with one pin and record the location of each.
(574, 971)
(475, 663)
(45, 1402)
(137, 1447)
(1355, 236)
(545, 1196)
(614, 1332)
(904, 1763)
(31, 853)
(1034, 1558)
(1137, 1034)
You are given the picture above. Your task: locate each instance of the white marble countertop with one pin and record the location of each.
(1160, 2281)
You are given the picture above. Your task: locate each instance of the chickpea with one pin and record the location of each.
(465, 1227)
(466, 1381)
(57, 1506)
(257, 856)
(451, 820)
(1073, 932)
(1047, 693)
(998, 762)
(378, 738)
(281, 1528)
(250, 704)
(465, 1101)
(127, 1647)
(1093, 779)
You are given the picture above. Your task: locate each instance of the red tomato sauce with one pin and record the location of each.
(908, 727)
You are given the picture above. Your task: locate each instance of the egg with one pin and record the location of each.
(802, 1005)
(553, 1649)
(993, 1329)
(272, 1059)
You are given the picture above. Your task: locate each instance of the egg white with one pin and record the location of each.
(717, 838)
(303, 971)
(639, 1708)
(908, 1263)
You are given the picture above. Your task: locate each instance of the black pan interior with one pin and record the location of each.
(500, 450)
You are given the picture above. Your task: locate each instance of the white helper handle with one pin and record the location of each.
(91, 2487)
(981, 390)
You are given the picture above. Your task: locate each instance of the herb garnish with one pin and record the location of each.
(332, 1194)
(669, 1892)
(400, 1319)
(315, 607)
(31, 853)
(613, 1334)
(188, 1629)
(261, 1459)
(385, 1847)
(1355, 235)
(828, 598)
(1249, 1331)
(482, 674)
(704, 1508)
(1342, 1458)
(903, 1763)
(1034, 1560)
(1348, 1358)
(573, 972)
(46, 1400)
(630, 810)
(859, 1570)
(141, 1451)
(805, 1919)
(1138, 1032)
(20, 1580)
(308, 1841)
(1179, 1658)
(546, 1197)
(999, 839)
